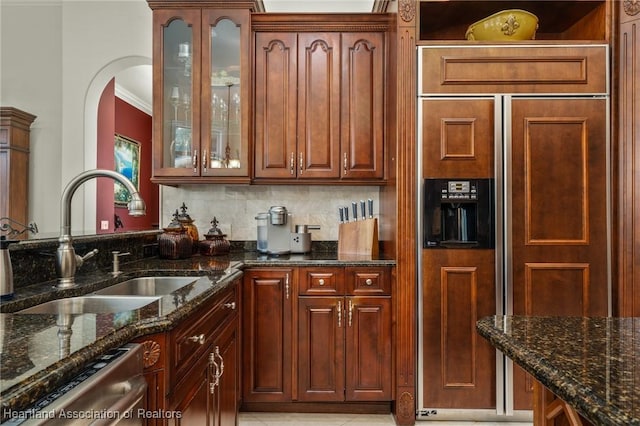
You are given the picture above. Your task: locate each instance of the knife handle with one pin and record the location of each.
(354, 207)
(370, 202)
(363, 209)
(341, 214)
(346, 214)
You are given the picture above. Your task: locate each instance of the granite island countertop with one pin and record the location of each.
(590, 363)
(34, 360)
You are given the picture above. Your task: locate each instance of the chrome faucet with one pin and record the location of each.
(67, 261)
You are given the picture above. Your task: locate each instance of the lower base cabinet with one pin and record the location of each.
(208, 394)
(317, 335)
(344, 348)
(193, 371)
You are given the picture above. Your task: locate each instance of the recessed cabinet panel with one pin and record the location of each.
(368, 343)
(362, 109)
(458, 289)
(276, 105)
(318, 105)
(513, 69)
(457, 137)
(267, 334)
(321, 348)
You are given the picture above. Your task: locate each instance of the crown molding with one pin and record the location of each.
(133, 100)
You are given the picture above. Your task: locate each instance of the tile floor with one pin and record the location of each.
(309, 419)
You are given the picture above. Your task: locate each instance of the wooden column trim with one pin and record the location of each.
(405, 297)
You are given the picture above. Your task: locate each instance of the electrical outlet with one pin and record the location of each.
(104, 224)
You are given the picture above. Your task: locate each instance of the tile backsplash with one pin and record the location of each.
(236, 206)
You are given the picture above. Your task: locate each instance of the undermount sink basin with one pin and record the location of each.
(90, 305)
(148, 286)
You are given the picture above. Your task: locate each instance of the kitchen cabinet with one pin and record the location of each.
(319, 103)
(195, 368)
(201, 75)
(325, 331)
(15, 129)
(268, 296)
(344, 339)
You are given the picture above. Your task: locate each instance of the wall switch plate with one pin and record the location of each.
(104, 224)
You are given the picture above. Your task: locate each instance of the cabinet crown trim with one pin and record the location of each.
(331, 22)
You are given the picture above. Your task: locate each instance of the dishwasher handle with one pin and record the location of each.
(126, 406)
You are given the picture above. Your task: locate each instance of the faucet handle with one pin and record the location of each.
(90, 254)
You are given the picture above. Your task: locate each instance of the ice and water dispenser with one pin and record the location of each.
(458, 213)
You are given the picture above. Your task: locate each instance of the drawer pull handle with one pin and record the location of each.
(197, 339)
(321, 281)
(230, 305)
(368, 281)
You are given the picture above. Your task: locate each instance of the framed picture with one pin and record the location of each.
(127, 162)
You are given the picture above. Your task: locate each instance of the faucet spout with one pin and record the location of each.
(67, 261)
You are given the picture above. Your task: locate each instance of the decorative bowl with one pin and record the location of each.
(511, 24)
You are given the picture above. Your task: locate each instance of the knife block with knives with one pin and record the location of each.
(360, 236)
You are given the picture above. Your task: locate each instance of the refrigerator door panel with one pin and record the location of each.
(559, 216)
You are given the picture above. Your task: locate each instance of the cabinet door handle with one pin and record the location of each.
(368, 281)
(292, 164)
(221, 372)
(301, 160)
(204, 161)
(286, 286)
(214, 375)
(194, 161)
(321, 281)
(350, 312)
(339, 313)
(231, 305)
(344, 163)
(197, 339)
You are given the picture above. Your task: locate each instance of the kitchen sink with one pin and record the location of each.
(148, 286)
(90, 305)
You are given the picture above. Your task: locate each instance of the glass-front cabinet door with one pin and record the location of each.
(201, 95)
(225, 92)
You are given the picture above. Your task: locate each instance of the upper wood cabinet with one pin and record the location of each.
(201, 69)
(319, 98)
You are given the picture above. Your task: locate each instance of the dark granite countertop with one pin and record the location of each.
(591, 363)
(35, 358)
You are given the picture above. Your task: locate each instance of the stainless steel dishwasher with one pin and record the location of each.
(110, 391)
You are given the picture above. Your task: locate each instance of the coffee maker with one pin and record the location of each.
(274, 231)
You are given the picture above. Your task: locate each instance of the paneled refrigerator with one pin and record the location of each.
(513, 211)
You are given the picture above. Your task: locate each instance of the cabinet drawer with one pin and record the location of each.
(321, 281)
(513, 69)
(369, 281)
(191, 339)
